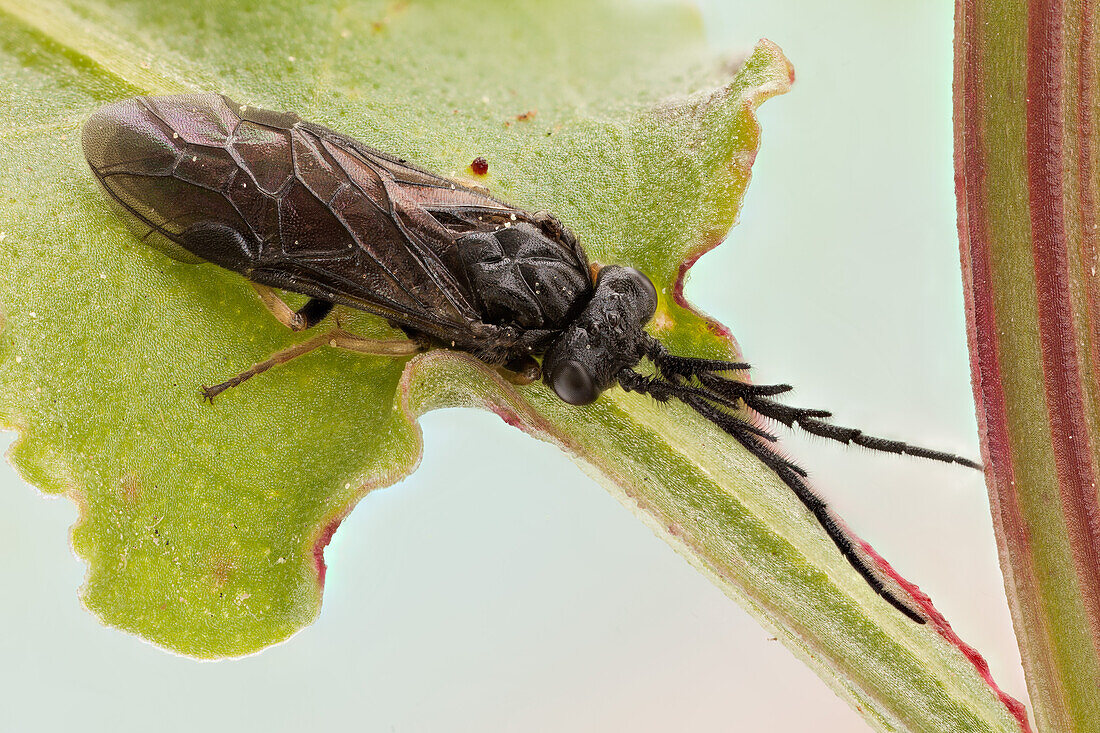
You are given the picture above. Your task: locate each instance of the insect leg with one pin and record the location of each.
(341, 339)
(309, 315)
(521, 371)
(314, 311)
(279, 357)
(337, 338)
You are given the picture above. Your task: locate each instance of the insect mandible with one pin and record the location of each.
(293, 205)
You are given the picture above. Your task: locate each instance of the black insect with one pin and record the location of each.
(296, 206)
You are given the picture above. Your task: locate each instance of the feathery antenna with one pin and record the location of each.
(681, 372)
(696, 383)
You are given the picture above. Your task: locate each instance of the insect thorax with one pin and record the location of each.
(520, 277)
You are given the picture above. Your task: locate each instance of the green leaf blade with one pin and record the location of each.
(203, 526)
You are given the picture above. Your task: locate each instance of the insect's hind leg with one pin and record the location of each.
(308, 316)
(337, 338)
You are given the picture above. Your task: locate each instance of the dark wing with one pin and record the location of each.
(438, 221)
(378, 233)
(354, 227)
(297, 206)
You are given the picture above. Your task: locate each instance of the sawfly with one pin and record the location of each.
(294, 206)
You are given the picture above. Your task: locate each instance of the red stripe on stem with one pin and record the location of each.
(1086, 167)
(972, 193)
(940, 624)
(1057, 332)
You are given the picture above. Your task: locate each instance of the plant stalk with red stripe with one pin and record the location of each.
(1027, 180)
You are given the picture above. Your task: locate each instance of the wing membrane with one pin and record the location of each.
(298, 206)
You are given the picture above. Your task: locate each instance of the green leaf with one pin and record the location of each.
(1026, 141)
(203, 526)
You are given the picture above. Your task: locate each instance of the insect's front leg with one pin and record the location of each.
(308, 316)
(521, 371)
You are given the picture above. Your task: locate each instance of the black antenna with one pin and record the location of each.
(696, 383)
(681, 371)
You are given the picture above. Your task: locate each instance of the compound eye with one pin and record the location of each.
(573, 383)
(645, 285)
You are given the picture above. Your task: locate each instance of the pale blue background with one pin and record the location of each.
(499, 589)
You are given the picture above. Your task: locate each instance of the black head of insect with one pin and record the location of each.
(605, 339)
(601, 347)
